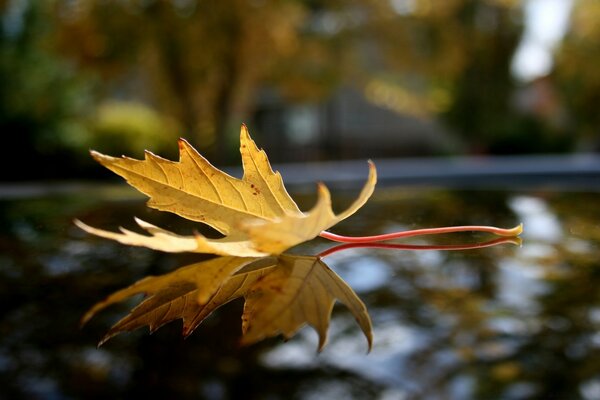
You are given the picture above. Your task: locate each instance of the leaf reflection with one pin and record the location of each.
(281, 294)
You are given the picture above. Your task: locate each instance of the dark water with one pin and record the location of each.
(505, 322)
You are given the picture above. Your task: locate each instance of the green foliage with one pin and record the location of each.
(42, 99)
(129, 127)
(577, 72)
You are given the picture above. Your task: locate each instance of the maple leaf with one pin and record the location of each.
(282, 294)
(255, 213)
(302, 289)
(258, 219)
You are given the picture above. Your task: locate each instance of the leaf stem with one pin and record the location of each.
(420, 232)
(447, 247)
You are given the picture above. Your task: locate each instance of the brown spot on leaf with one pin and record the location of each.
(277, 289)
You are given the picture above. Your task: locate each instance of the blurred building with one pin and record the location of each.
(345, 126)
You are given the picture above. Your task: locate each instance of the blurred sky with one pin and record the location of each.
(546, 22)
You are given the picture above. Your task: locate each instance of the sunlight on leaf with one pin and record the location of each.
(255, 213)
(275, 237)
(195, 189)
(170, 242)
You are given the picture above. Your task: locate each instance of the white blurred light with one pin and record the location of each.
(403, 7)
(546, 22)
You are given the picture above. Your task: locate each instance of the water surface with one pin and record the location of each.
(504, 322)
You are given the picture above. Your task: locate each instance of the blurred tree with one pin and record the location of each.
(204, 61)
(577, 72)
(484, 86)
(41, 100)
(128, 127)
(199, 61)
(207, 64)
(454, 55)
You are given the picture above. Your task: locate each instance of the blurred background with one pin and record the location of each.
(477, 112)
(313, 79)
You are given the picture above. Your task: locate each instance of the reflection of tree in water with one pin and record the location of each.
(501, 323)
(566, 338)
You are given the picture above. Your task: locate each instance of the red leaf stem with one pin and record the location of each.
(420, 232)
(447, 247)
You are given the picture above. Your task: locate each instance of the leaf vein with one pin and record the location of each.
(199, 167)
(239, 194)
(254, 214)
(267, 184)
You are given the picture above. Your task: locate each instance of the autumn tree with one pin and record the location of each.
(203, 62)
(199, 61)
(452, 58)
(203, 66)
(576, 71)
(41, 100)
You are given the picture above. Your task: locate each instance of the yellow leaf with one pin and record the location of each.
(301, 290)
(194, 189)
(255, 213)
(182, 293)
(282, 294)
(170, 242)
(267, 184)
(274, 237)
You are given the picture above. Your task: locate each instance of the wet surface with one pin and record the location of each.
(503, 322)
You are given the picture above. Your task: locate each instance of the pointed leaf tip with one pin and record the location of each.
(182, 143)
(244, 134)
(372, 172)
(323, 191)
(105, 339)
(322, 343)
(99, 157)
